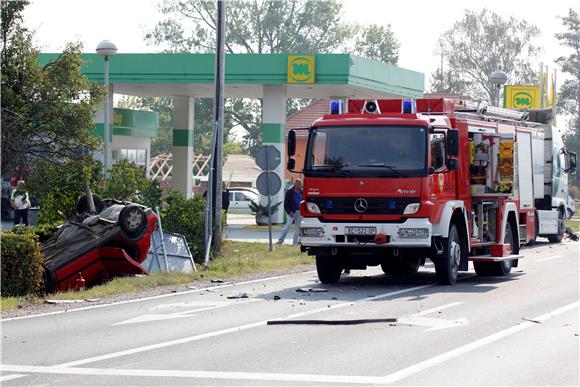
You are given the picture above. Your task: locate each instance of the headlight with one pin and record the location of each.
(313, 208)
(413, 233)
(411, 208)
(311, 231)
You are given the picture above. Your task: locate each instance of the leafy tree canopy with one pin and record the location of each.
(47, 111)
(477, 45)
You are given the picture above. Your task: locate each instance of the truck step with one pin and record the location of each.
(489, 258)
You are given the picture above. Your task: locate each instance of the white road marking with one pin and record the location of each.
(157, 297)
(304, 378)
(419, 367)
(231, 330)
(435, 324)
(6, 378)
(182, 314)
(550, 258)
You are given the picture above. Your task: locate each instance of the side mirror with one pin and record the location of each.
(453, 142)
(291, 143)
(291, 164)
(572, 163)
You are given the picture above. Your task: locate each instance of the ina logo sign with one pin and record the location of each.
(301, 68)
(523, 100)
(522, 96)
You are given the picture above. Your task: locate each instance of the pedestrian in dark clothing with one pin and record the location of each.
(225, 197)
(292, 201)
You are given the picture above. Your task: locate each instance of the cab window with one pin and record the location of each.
(437, 141)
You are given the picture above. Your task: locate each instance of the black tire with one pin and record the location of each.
(558, 237)
(502, 268)
(401, 266)
(83, 206)
(132, 220)
(447, 265)
(537, 229)
(328, 268)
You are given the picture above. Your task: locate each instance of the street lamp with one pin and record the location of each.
(498, 78)
(107, 49)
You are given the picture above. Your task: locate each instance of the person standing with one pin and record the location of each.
(20, 201)
(292, 201)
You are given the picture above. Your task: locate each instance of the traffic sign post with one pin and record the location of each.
(268, 182)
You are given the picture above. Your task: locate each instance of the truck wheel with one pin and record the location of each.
(447, 265)
(501, 268)
(558, 237)
(401, 266)
(328, 269)
(537, 229)
(132, 220)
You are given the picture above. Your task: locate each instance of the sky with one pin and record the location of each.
(417, 25)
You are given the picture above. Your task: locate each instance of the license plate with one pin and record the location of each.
(360, 230)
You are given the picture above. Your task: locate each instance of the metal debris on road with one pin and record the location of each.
(530, 320)
(332, 322)
(237, 296)
(276, 298)
(311, 290)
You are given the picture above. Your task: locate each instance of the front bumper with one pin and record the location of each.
(334, 234)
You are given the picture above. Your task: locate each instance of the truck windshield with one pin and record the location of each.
(367, 151)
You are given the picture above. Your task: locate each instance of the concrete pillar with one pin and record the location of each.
(274, 133)
(182, 179)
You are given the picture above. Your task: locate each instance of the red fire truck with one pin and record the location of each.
(396, 182)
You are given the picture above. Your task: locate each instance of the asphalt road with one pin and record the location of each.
(517, 330)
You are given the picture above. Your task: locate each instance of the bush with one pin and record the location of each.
(128, 181)
(43, 231)
(186, 217)
(58, 186)
(22, 271)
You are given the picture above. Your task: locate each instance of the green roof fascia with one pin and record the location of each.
(199, 68)
(385, 77)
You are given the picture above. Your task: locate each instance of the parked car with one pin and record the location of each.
(113, 242)
(240, 200)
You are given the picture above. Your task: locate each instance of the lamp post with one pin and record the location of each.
(106, 49)
(498, 78)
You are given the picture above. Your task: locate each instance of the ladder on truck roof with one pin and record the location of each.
(487, 111)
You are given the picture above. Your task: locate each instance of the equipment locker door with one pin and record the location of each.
(525, 183)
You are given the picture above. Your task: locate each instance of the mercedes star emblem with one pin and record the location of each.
(361, 205)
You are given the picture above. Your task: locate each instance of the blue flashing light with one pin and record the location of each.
(409, 106)
(336, 106)
(329, 204)
(392, 205)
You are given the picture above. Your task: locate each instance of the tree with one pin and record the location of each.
(262, 26)
(47, 111)
(378, 43)
(569, 97)
(477, 45)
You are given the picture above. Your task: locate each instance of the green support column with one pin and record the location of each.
(274, 133)
(182, 173)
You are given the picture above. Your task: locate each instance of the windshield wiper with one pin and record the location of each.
(390, 168)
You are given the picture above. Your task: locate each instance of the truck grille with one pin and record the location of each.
(376, 206)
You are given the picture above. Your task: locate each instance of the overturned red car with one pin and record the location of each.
(95, 248)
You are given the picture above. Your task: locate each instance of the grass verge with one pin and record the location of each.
(236, 258)
(573, 224)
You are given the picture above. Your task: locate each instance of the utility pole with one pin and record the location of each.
(218, 115)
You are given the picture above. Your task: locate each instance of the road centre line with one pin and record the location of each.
(550, 258)
(157, 297)
(233, 329)
(419, 367)
(391, 378)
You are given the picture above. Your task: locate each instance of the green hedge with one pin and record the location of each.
(42, 231)
(22, 271)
